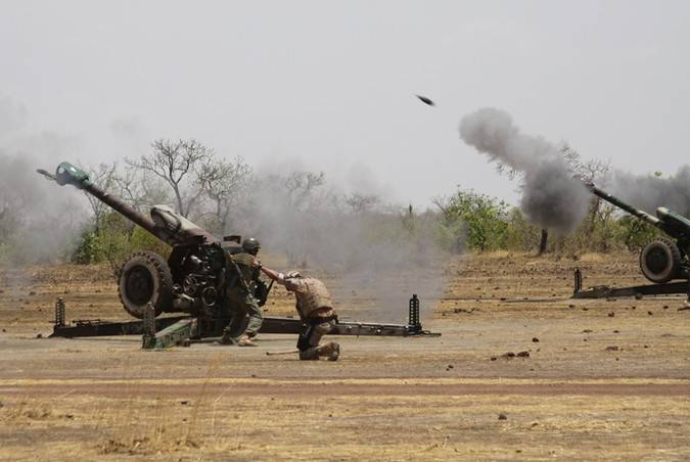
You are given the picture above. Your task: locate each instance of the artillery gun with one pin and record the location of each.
(662, 260)
(194, 280)
(195, 276)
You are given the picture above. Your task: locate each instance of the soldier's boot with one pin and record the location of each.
(335, 351)
(245, 341)
(330, 350)
(311, 354)
(226, 338)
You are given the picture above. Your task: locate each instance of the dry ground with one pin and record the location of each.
(574, 397)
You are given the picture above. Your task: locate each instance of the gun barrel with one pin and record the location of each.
(132, 214)
(641, 214)
(67, 173)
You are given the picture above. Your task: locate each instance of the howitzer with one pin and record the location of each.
(662, 259)
(194, 279)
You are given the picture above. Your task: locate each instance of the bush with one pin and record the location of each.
(482, 222)
(114, 241)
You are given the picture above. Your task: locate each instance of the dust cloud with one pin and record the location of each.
(551, 198)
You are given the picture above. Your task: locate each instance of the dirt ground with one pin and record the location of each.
(603, 379)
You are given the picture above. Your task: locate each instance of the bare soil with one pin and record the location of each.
(604, 379)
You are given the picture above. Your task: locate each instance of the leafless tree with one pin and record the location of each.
(176, 162)
(300, 188)
(103, 176)
(362, 203)
(225, 183)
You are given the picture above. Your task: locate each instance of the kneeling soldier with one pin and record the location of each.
(315, 307)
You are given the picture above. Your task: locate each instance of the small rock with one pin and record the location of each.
(450, 366)
(571, 306)
(535, 340)
(32, 293)
(639, 296)
(523, 354)
(616, 332)
(39, 335)
(611, 348)
(502, 417)
(666, 307)
(585, 309)
(185, 402)
(587, 331)
(611, 314)
(649, 313)
(646, 346)
(493, 358)
(509, 355)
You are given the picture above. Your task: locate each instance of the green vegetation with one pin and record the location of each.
(483, 223)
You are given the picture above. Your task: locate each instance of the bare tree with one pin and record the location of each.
(103, 176)
(175, 162)
(226, 183)
(139, 189)
(362, 203)
(300, 188)
(592, 170)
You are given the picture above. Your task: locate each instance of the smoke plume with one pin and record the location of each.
(648, 192)
(551, 198)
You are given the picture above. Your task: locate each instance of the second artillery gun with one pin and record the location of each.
(662, 260)
(194, 280)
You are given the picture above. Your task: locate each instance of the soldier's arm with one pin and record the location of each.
(274, 275)
(294, 285)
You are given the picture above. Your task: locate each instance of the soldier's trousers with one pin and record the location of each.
(309, 341)
(247, 306)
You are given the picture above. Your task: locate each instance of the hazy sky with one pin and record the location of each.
(329, 85)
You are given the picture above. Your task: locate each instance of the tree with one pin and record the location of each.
(225, 183)
(104, 177)
(176, 163)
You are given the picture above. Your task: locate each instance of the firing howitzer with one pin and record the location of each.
(196, 276)
(662, 259)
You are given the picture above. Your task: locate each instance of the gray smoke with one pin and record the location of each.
(648, 192)
(551, 198)
(39, 222)
(374, 255)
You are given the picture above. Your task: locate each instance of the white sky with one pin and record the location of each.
(329, 85)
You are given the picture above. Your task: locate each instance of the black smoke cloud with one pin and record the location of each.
(551, 198)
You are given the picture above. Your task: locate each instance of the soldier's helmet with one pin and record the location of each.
(293, 274)
(251, 245)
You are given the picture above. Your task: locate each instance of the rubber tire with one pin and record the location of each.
(155, 273)
(672, 265)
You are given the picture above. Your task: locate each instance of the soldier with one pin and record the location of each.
(242, 294)
(315, 307)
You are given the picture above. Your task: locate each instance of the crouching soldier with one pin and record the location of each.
(315, 307)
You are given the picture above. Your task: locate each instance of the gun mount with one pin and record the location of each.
(662, 259)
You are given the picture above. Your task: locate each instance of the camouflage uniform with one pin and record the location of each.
(243, 299)
(315, 307)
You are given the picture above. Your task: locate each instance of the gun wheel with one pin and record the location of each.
(145, 278)
(661, 261)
